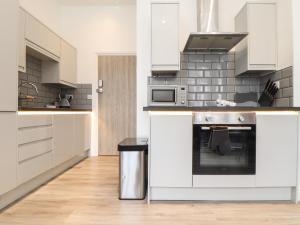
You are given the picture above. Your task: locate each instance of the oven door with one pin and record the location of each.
(232, 152)
(163, 96)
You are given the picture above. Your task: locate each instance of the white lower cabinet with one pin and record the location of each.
(276, 153)
(82, 133)
(8, 151)
(47, 141)
(35, 146)
(171, 150)
(64, 142)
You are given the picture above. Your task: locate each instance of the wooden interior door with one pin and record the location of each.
(117, 103)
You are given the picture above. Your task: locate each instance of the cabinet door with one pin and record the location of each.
(68, 63)
(171, 151)
(8, 57)
(82, 133)
(41, 36)
(22, 45)
(262, 28)
(165, 36)
(8, 151)
(276, 161)
(64, 138)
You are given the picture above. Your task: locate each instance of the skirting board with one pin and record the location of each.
(220, 194)
(26, 188)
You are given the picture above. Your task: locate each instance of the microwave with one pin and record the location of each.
(167, 95)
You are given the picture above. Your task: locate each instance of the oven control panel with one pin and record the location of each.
(224, 118)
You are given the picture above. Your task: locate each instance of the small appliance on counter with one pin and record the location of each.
(65, 101)
(167, 95)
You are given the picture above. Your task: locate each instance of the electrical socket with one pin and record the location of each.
(277, 84)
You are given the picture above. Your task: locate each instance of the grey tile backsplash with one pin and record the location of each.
(48, 94)
(212, 76)
(284, 97)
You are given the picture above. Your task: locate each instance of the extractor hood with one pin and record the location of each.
(208, 39)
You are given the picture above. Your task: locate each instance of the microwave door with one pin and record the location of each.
(164, 96)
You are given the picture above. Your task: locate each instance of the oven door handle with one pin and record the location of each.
(230, 128)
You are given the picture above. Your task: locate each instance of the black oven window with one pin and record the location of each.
(213, 155)
(163, 95)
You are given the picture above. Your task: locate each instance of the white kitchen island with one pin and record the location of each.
(171, 159)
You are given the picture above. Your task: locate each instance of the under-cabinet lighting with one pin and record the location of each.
(52, 113)
(277, 113)
(171, 113)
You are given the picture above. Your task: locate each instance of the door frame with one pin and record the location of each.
(95, 127)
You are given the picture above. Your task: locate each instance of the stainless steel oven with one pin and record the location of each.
(167, 95)
(224, 143)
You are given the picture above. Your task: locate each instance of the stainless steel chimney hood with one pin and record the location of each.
(208, 39)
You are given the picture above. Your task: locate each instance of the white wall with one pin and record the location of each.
(48, 11)
(95, 29)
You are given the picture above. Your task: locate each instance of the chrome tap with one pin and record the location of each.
(28, 83)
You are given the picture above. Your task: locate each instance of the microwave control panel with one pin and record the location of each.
(182, 96)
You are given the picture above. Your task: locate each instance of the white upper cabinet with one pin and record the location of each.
(258, 52)
(276, 153)
(64, 72)
(22, 43)
(8, 58)
(41, 38)
(165, 36)
(68, 63)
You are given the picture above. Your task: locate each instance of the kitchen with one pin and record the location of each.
(213, 92)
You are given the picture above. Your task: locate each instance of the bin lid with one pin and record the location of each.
(133, 144)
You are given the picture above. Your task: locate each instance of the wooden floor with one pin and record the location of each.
(88, 194)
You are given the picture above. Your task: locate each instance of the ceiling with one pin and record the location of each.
(96, 2)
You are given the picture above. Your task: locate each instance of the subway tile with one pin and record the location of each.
(204, 66)
(219, 81)
(282, 102)
(191, 81)
(227, 58)
(211, 58)
(230, 66)
(196, 103)
(288, 72)
(230, 96)
(242, 89)
(196, 58)
(211, 73)
(210, 103)
(285, 83)
(195, 88)
(184, 58)
(196, 73)
(227, 73)
(226, 89)
(191, 96)
(287, 92)
(219, 66)
(204, 96)
(211, 89)
(183, 73)
(217, 96)
(203, 81)
(230, 81)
